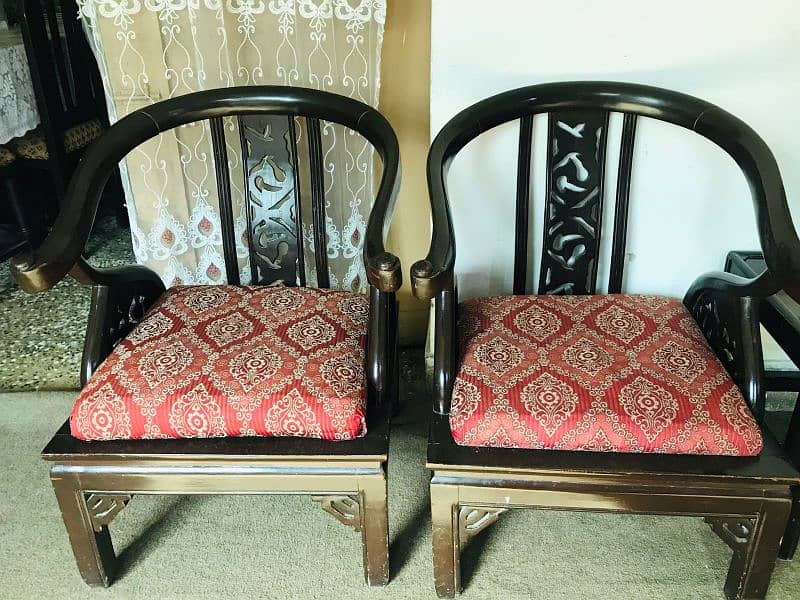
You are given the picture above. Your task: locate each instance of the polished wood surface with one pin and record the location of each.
(223, 178)
(317, 201)
(621, 210)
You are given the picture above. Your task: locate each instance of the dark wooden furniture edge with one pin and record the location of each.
(774, 309)
(374, 445)
(771, 465)
(747, 501)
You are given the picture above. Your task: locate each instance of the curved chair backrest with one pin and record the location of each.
(576, 160)
(259, 110)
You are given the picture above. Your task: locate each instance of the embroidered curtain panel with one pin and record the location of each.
(150, 50)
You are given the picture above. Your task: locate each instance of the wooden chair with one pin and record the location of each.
(256, 340)
(69, 92)
(564, 400)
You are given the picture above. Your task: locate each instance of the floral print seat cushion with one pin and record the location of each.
(612, 373)
(211, 361)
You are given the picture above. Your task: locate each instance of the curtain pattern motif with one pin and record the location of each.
(150, 50)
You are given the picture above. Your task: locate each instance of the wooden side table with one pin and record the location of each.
(780, 316)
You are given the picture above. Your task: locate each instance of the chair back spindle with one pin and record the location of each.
(298, 210)
(318, 202)
(619, 243)
(225, 204)
(523, 203)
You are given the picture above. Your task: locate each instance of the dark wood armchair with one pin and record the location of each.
(616, 402)
(313, 369)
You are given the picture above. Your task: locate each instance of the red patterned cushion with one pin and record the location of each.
(615, 373)
(211, 361)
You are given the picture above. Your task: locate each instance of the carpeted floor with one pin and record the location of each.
(41, 335)
(286, 547)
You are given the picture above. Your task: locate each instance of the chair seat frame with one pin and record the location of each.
(746, 500)
(93, 481)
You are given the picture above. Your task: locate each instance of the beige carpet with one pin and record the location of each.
(286, 547)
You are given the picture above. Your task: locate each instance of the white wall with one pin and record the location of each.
(689, 203)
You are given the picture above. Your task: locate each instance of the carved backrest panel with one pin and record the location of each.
(284, 168)
(573, 215)
(273, 199)
(574, 202)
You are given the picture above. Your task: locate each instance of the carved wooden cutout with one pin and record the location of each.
(346, 509)
(104, 507)
(714, 325)
(125, 315)
(271, 205)
(472, 520)
(734, 531)
(574, 205)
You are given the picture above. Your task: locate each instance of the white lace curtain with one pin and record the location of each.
(149, 50)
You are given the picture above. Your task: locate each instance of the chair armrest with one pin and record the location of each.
(761, 286)
(428, 279)
(383, 268)
(38, 279)
(136, 276)
(34, 274)
(384, 271)
(120, 299)
(434, 273)
(61, 250)
(730, 324)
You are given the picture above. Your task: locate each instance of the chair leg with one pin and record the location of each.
(754, 559)
(792, 534)
(373, 495)
(394, 357)
(91, 544)
(30, 234)
(792, 444)
(446, 544)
